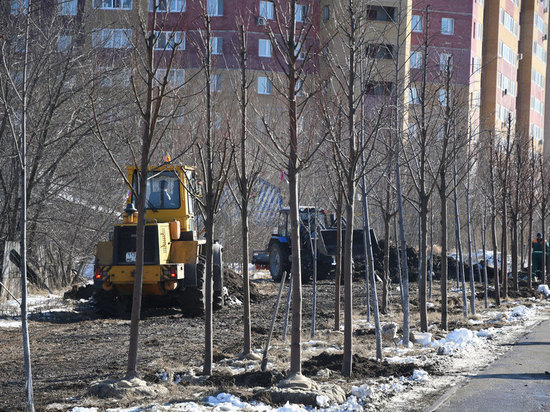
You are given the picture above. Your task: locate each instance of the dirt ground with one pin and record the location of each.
(72, 348)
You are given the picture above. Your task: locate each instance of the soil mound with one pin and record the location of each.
(79, 292)
(362, 367)
(247, 379)
(233, 281)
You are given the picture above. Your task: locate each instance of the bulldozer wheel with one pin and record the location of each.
(192, 299)
(217, 302)
(217, 276)
(277, 261)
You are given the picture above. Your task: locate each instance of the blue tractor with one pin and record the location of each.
(278, 255)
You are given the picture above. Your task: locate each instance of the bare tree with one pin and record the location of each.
(293, 43)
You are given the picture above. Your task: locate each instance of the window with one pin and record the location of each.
(380, 51)
(18, 43)
(539, 51)
(264, 48)
(537, 78)
(298, 50)
(176, 77)
(216, 82)
(66, 7)
(416, 60)
(174, 6)
(507, 85)
(508, 21)
(416, 23)
(443, 97)
(19, 6)
(162, 190)
(480, 31)
(216, 43)
(508, 54)
(445, 59)
(112, 38)
(413, 96)
(63, 43)
(180, 117)
(266, 9)
(379, 89)
(537, 105)
(541, 25)
(214, 8)
(447, 26)
(476, 100)
(301, 13)
(300, 88)
(217, 123)
(381, 13)
(170, 40)
(326, 13)
(536, 132)
(264, 85)
(112, 4)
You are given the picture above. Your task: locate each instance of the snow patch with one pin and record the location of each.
(10, 324)
(226, 402)
(419, 375)
(544, 290)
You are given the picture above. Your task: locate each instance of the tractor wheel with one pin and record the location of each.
(278, 258)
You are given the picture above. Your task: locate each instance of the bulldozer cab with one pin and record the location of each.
(168, 194)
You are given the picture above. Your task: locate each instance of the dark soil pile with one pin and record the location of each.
(233, 281)
(247, 379)
(363, 368)
(79, 292)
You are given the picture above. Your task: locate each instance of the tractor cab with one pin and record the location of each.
(309, 216)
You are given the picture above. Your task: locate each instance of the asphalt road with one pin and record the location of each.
(518, 381)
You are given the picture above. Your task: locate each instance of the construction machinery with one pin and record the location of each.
(174, 257)
(278, 255)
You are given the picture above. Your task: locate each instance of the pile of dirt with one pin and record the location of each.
(363, 368)
(79, 292)
(247, 379)
(233, 281)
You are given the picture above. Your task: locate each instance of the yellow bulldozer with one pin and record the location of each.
(174, 261)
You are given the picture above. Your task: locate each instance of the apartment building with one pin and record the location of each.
(532, 70)
(451, 33)
(500, 64)
(496, 50)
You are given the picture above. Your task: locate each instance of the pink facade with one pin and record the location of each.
(226, 26)
(459, 35)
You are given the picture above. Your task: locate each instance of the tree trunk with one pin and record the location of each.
(444, 266)
(469, 228)
(459, 244)
(494, 218)
(514, 250)
(504, 253)
(422, 287)
(386, 276)
(484, 247)
(23, 222)
(339, 261)
(348, 297)
(247, 339)
(372, 274)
